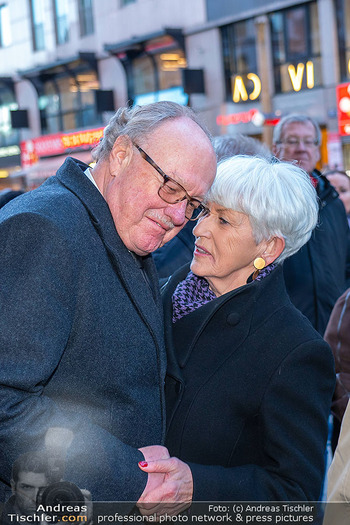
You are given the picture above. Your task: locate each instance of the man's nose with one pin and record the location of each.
(176, 212)
(35, 494)
(301, 145)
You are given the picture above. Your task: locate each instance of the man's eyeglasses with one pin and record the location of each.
(172, 192)
(296, 141)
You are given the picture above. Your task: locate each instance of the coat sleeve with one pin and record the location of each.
(38, 297)
(293, 420)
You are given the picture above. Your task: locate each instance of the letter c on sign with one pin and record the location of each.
(257, 86)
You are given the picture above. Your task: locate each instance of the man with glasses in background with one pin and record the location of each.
(316, 275)
(81, 331)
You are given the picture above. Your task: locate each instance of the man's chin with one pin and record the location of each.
(304, 165)
(171, 234)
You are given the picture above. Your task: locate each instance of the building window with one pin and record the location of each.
(126, 2)
(343, 25)
(37, 16)
(8, 136)
(160, 72)
(61, 10)
(5, 28)
(296, 48)
(68, 101)
(240, 61)
(154, 68)
(86, 18)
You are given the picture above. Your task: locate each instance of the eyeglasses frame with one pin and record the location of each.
(203, 209)
(298, 142)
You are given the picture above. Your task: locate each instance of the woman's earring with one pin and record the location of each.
(259, 264)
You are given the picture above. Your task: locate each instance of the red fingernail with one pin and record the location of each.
(143, 464)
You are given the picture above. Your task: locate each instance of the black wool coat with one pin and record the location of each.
(319, 272)
(248, 391)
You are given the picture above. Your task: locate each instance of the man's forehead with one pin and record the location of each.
(32, 478)
(184, 152)
(299, 128)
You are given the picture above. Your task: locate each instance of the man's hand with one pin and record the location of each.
(174, 494)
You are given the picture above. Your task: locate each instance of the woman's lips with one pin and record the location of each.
(200, 250)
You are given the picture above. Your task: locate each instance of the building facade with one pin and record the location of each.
(66, 65)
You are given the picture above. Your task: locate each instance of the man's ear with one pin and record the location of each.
(121, 154)
(274, 248)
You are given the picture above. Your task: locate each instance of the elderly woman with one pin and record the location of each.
(249, 381)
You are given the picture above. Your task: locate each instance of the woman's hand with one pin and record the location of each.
(175, 492)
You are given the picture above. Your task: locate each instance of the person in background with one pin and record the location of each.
(337, 335)
(81, 325)
(318, 273)
(29, 477)
(249, 381)
(227, 146)
(338, 493)
(341, 182)
(179, 250)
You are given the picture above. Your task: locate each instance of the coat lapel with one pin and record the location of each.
(142, 291)
(231, 316)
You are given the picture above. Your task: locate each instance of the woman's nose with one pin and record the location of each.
(202, 228)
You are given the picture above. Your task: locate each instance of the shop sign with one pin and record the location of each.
(57, 144)
(9, 151)
(343, 108)
(334, 150)
(254, 115)
(296, 75)
(237, 118)
(239, 90)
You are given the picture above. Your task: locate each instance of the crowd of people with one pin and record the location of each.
(174, 309)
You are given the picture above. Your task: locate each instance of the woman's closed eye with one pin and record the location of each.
(223, 221)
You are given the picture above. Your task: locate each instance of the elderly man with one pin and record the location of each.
(316, 275)
(81, 335)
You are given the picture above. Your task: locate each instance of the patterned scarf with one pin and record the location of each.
(194, 292)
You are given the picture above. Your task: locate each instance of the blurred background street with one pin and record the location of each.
(66, 65)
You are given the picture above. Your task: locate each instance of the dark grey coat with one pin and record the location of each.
(81, 337)
(248, 391)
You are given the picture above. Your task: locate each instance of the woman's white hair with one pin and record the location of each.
(278, 198)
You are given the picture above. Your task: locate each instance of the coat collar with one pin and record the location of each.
(127, 266)
(237, 312)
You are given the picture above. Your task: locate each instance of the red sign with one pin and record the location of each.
(236, 118)
(57, 144)
(253, 115)
(343, 107)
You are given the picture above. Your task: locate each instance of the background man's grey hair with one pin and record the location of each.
(227, 146)
(139, 121)
(289, 119)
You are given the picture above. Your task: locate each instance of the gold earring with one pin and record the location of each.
(259, 264)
